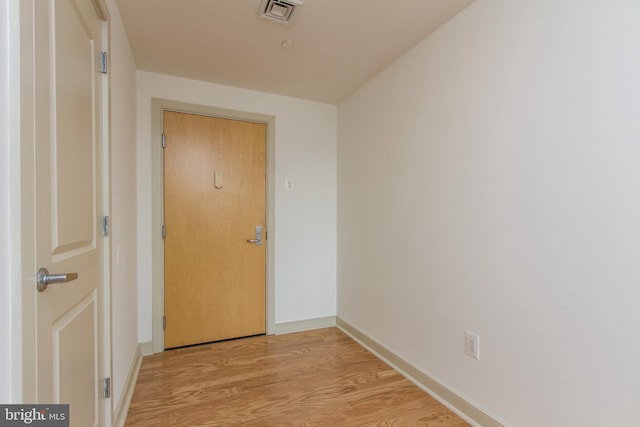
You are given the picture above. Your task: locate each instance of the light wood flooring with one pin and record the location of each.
(314, 378)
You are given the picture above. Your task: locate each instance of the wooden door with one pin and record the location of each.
(68, 181)
(214, 177)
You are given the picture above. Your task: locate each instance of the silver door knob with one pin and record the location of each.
(45, 279)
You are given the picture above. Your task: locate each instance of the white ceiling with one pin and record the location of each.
(338, 44)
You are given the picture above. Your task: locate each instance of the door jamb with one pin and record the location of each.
(158, 106)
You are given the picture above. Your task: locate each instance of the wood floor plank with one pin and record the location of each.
(313, 378)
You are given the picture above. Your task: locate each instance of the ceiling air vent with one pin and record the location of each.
(280, 11)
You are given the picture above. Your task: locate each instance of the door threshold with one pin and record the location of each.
(214, 342)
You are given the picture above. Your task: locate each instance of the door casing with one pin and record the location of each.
(158, 106)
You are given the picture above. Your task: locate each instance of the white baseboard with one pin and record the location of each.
(457, 404)
(146, 348)
(304, 325)
(122, 408)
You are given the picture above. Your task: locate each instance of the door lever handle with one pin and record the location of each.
(44, 279)
(258, 239)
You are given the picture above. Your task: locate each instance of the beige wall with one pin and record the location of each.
(488, 181)
(124, 316)
(10, 199)
(5, 213)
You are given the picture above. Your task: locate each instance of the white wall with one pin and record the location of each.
(5, 247)
(500, 195)
(124, 318)
(10, 235)
(305, 219)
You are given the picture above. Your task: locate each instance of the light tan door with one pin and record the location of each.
(214, 177)
(68, 126)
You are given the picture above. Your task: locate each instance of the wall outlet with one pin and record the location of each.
(472, 345)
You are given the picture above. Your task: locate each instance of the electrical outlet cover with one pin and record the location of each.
(472, 345)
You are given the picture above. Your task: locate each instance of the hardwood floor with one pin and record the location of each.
(314, 378)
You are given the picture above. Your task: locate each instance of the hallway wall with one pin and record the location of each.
(500, 196)
(5, 210)
(124, 270)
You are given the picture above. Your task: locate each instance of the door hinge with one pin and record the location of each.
(164, 232)
(107, 388)
(105, 226)
(164, 323)
(164, 144)
(103, 62)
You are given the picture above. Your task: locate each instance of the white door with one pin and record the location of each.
(69, 181)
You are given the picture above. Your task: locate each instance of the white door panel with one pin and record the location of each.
(73, 131)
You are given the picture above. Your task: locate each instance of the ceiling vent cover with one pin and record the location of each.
(280, 11)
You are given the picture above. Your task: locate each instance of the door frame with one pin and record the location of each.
(158, 106)
(23, 197)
